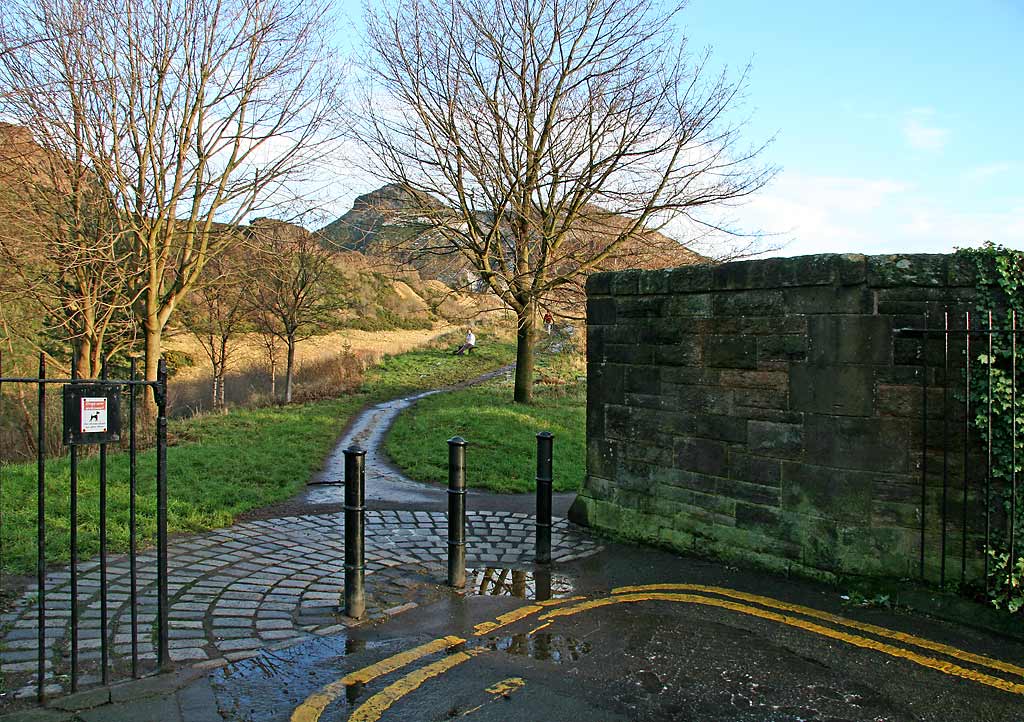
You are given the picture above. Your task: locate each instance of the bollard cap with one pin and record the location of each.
(545, 435)
(354, 450)
(457, 441)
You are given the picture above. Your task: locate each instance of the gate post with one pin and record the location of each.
(457, 512)
(160, 395)
(355, 511)
(545, 442)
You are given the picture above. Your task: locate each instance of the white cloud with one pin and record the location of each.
(984, 172)
(925, 137)
(826, 214)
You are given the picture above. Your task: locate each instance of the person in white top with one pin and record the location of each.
(469, 345)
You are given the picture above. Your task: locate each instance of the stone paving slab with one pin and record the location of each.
(261, 583)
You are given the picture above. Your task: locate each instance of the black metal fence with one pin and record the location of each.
(49, 649)
(970, 446)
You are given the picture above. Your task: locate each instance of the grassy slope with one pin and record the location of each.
(502, 435)
(218, 466)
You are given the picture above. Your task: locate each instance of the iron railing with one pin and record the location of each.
(74, 611)
(969, 388)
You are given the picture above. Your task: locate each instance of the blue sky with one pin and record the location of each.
(898, 125)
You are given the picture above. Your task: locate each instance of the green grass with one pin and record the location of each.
(219, 466)
(502, 435)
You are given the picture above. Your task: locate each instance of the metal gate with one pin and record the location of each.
(58, 596)
(970, 447)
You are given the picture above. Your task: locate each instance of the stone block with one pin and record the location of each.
(755, 469)
(755, 517)
(764, 302)
(624, 353)
(599, 284)
(921, 269)
(704, 399)
(774, 439)
(751, 493)
(690, 279)
(848, 442)
(600, 310)
(738, 352)
(685, 353)
(827, 493)
(745, 399)
(602, 457)
(690, 305)
(704, 456)
(661, 332)
(643, 380)
(639, 307)
(747, 379)
(839, 390)
(790, 347)
(618, 422)
(829, 299)
(850, 340)
(718, 426)
(625, 283)
(654, 282)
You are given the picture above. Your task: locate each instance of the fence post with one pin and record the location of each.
(41, 532)
(457, 512)
(355, 511)
(163, 635)
(545, 444)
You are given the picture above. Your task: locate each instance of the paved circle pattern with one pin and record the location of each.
(260, 584)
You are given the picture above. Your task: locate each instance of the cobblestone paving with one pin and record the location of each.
(270, 583)
(263, 584)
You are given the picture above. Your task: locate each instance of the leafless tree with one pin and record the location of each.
(295, 289)
(189, 113)
(555, 133)
(60, 246)
(218, 309)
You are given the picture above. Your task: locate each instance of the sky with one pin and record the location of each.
(897, 126)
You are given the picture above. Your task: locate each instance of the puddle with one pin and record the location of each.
(537, 584)
(555, 648)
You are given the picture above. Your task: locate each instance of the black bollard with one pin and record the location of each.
(545, 442)
(457, 512)
(355, 512)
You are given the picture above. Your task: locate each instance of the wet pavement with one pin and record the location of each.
(606, 632)
(685, 640)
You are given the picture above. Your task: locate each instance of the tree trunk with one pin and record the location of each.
(525, 333)
(273, 379)
(153, 332)
(289, 371)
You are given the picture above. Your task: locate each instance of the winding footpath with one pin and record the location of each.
(273, 582)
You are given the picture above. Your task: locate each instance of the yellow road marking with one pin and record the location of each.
(314, 705)
(836, 619)
(558, 600)
(505, 619)
(930, 662)
(506, 686)
(372, 709)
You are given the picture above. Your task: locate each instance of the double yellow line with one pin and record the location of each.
(767, 608)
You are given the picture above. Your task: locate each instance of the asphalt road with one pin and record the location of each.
(637, 634)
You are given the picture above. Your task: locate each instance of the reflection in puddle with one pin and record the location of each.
(539, 584)
(552, 647)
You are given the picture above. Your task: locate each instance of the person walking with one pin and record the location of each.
(469, 345)
(549, 322)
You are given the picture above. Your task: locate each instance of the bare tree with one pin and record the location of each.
(554, 132)
(189, 113)
(217, 310)
(295, 289)
(59, 243)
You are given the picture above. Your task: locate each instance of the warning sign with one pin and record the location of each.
(94, 414)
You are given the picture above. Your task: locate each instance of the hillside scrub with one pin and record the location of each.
(219, 466)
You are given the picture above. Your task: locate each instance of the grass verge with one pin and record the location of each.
(502, 435)
(219, 466)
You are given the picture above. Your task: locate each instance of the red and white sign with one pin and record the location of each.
(94, 414)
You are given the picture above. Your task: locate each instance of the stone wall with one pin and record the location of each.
(766, 410)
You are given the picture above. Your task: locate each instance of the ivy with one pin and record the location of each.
(1000, 284)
